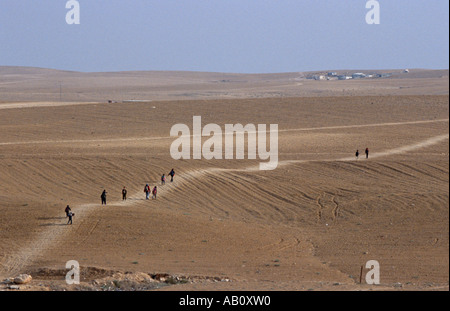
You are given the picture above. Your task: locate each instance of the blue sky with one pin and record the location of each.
(245, 36)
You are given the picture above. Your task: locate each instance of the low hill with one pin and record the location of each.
(41, 84)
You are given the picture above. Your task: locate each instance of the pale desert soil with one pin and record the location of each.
(310, 224)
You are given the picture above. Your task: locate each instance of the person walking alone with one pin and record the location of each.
(124, 194)
(357, 154)
(103, 197)
(171, 174)
(367, 153)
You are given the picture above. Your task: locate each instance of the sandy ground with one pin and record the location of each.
(310, 224)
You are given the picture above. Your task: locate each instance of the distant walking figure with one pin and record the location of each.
(67, 210)
(147, 191)
(103, 197)
(124, 193)
(70, 215)
(357, 154)
(367, 153)
(155, 190)
(163, 179)
(171, 174)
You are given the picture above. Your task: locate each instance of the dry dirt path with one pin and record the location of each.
(16, 261)
(106, 140)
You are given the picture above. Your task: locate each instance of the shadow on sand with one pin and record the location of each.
(59, 223)
(53, 224)
(51, 218)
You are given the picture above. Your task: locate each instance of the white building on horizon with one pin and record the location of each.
(358, 75)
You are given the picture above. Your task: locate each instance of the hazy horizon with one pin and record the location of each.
(249, 73)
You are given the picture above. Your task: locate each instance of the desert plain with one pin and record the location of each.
(310, 224)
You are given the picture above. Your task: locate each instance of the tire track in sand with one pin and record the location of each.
(14, 263)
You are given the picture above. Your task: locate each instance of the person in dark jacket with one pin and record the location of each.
(171, 174)
(103, 197)
(67, 210)
(70, 215)
(124, 193)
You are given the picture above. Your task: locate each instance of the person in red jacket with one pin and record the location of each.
(147, 191)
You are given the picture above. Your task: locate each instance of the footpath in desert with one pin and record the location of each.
(311, 224)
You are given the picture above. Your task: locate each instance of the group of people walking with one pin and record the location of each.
(153, 192)
(366, 152)
(147, 190)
